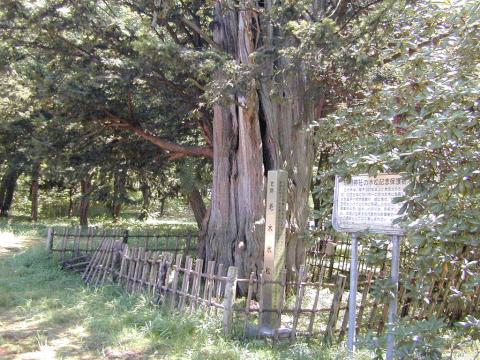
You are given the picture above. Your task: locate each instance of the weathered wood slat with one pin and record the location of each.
(185, 282)
(178, 264)
(315, 302)
(332, 319)
(196, 287)
(363, 302)
(248, 302)
(302, 274)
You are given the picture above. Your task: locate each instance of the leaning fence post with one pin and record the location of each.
(50, 234)
(230, 293)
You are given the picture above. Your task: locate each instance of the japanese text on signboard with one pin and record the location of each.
(366, 203)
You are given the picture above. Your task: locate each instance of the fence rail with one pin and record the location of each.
(185, 284)
(313, 305)
(76, 242)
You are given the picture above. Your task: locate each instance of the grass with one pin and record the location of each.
(48, 313)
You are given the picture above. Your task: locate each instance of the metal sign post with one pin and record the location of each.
(365, 204)
(352, 304)
(392, 309)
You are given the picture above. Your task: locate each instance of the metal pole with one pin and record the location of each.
(352, 304)
(392, 309)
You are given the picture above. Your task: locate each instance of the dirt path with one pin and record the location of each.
(10, 243)
(23, 338)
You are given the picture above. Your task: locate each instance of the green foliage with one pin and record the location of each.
(108, 321)
(418, 114)
(418, 340)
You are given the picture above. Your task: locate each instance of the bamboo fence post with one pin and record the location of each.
(147, 241)
(383, 318)
(196, 284)
(176, 246)
(131, 268)
(145, 271)
(178, 264)
(315, 302)
(108, 263)
(260, 289)
(298, 300)
(64, 244)
(50, 235)
(139, 255)
(123, 265)
(345, 324)
(93, 264)
(375, 305)
(185, 283)
(211, 284)
(76, 241)
(207, 283)
(248, 302)
(444, 297)
(363, 302)
(332, 319)
(230, 293)
(89, 240)
(218, 283)
(187, 246)
(98, 268)
(90, 264)
(127, 267)
(168, 261)
(281, 298)
(435, 296)
(156, 260)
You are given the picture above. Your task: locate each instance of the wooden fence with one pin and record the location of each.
(317, 301)
(335, 255)
(313, 309)
(436, 295)
(77, 242)
(185, 284)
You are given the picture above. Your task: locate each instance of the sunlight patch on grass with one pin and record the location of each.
(46, 311)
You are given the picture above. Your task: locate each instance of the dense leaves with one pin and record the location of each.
(419, 115)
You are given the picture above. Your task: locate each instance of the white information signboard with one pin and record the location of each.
(366, 203)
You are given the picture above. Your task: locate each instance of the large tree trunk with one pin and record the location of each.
(71, 192)
(86, 189)
(323, 163)
(196, 203)
(3, 186)
(257, 132)
(119, 184)
(146, 194)
(34, 187)
(7, 189)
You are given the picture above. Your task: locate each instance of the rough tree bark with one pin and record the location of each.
(321, 166)
(86, 189)
(197, 205)
(146, 194)
(71, 204)
(257, 132)
(7, 188)
(34, 187)
(119, 184)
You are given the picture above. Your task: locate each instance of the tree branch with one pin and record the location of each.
(201, 33)
(176, 150)
(419, 46)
